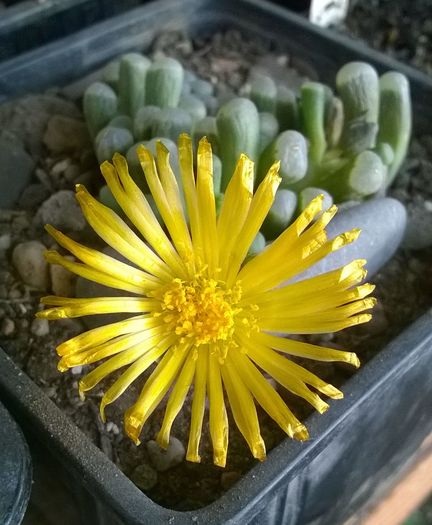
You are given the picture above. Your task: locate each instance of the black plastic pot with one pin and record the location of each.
(28, 24)
(362, 440)
(15, 471)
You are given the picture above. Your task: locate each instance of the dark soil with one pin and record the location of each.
(402, 29)
(404, 290)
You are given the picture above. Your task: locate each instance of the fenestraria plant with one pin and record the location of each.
(208, 318)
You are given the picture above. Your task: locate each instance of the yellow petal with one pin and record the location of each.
(333, 281)
(188, 182)
(132, 373)
(154, 390)
(139, 211)
(314, 303)
(286, 262)
(176, 400)
(127, 357)
(206, 204)
(279, 251)
(68, 307)
(306, 350)
(278, 367)
(119, 236)
(259, 208)
(243, 409)
(268, 398)
(108, 349)
(104, 333)
(198, 405)
(87, 272)
(172, 217)
(218, 415)
(235, 209)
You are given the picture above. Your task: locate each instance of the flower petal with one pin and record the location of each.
(259, 208)
(188, 182)
(154, 389)
(115, 232)
(120, 360)
(176, 400)
(87, 272)
(132, 373)
(268, 398)
(206, 204)
(306, 350)
(198, 405)
(243, 409)
(104, 333)
(218, 415)
(235, 209)
(68, 307)
(173, 217)
(112, 347)
(139, 211)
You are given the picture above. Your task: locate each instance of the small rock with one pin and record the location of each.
(39, 327)
(113, 428)
(7, 327)
(28, 116)
(418, 234)
(62, 211)
(16, 167)
(5, 241)
(163, 460)
(30, 264)
(382, 223)
(66, 134)
(70, 327)
(62, 280)
(228, 479)
(72, 172)
(144, 476)
(33, 196)
(77, 370)
(60, 167)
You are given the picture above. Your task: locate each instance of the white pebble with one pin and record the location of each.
(7, 327)
(76, 370)
(5, 241)
(40, 327)
(29, 261)
(112, 427)
(165, 459)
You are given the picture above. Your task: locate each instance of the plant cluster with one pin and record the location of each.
(347, 145)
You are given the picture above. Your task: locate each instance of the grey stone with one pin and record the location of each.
(418, 234)
(163, 460)
(7, 327)
(33, 196)
(16, 168)
(39, 327)
(65, 134)
(144, 476)
(31, 265)
(62, 280)
(62, 211)
(382, 223)
(28, 117)
(5, 241)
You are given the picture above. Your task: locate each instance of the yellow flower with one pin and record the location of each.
(208, 318)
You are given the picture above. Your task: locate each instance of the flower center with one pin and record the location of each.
(202, 309)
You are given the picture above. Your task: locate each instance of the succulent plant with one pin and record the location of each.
(347, 145)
